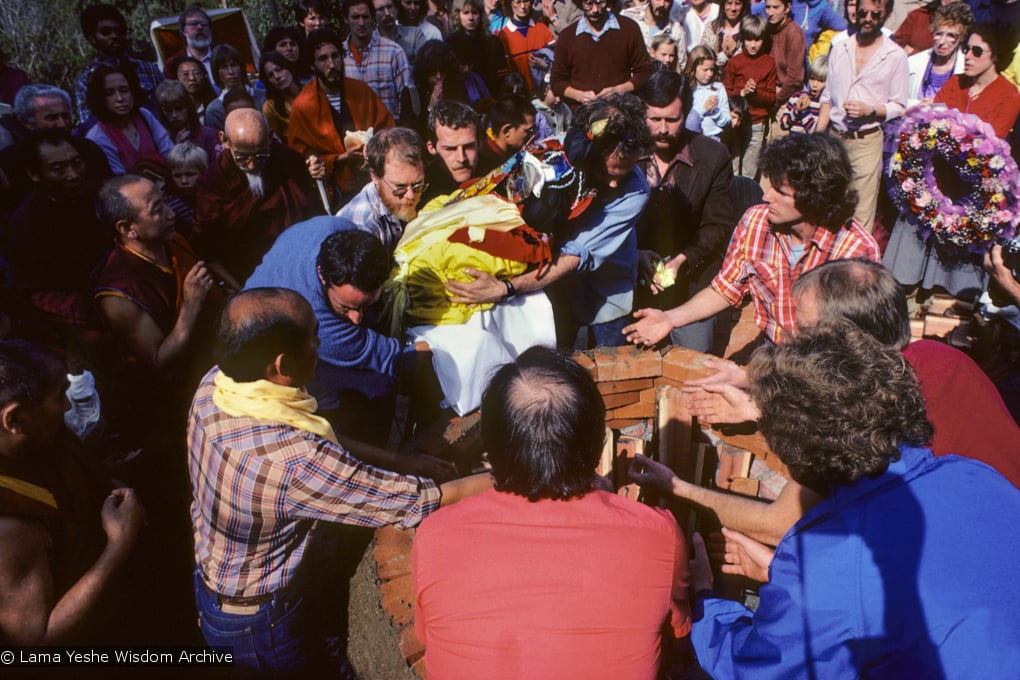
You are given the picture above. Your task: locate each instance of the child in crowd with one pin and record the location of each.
(710, 108)
(737, 136)
(751, 73)
(188, 162)
(553, 114)
(663, 52)
(800, 114)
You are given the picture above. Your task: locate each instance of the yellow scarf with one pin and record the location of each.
(29, 490)
(266, 400)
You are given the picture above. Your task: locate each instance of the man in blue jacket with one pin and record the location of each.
(899, 572)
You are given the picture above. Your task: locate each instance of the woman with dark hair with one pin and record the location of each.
(980, 89)
(124, 131)
(281, 88)
(288, 42)
(191, 74)
(439, 75)
(723, 33)
(474, 45)
(181, 120)
(313, 15)
(229, 73)
(412, 13)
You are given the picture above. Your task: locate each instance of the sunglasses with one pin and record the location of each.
(976, 50)
(400, 189)
(873, 13)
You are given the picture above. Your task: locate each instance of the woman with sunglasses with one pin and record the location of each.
(980, 89)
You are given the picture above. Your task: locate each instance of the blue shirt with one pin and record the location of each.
(350, 356)
(908, 575)
(602, 289)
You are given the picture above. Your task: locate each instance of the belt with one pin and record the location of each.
(858, 134)
(231, 604)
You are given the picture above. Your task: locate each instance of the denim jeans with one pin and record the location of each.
(277, 639)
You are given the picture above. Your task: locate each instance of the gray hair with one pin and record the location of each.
(24, 101)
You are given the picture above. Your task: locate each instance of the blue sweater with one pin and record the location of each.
(350, 356)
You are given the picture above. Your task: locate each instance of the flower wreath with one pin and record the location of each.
(968, 147)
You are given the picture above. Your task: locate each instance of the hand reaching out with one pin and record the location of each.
(740, 554)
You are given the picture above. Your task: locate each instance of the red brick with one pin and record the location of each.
(617, 386)
(673, 422)
(398, 599)
(392, 543)
(398, 566)
(622, 399)
(620, 423)
(940, 326)
(605, 466)
(585, 362)
(418, 668)
(647, 396)
(733, 462)
(684, 364)
(636, 410)
(627, 363)
(410, 646)
(745, 486)
(626, 449)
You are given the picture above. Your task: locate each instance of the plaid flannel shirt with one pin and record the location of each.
(757, 262)
(383, 67)
(260, 487)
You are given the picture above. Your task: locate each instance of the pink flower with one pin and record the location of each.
(908, 185)
(958, 132)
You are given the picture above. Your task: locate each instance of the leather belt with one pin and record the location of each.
(238, 605)
(858, 134)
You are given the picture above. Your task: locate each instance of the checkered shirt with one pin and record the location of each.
(757, 262)
(384, 68)
(259, 489)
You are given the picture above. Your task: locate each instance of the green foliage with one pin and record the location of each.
(45, 40)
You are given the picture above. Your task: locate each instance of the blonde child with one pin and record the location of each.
(800, 114)
(664, 52)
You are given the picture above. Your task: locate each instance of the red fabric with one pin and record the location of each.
(233, 228)
(915, 31)
(522, 244)
(312, 129)
(129, 155)
(788, 50)
(741, 68)
(998, 104)
(969, 416)
(506, 588)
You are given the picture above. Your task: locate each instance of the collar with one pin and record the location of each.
(146, 258)
(612, 23)
(373, 41)
(513, 28)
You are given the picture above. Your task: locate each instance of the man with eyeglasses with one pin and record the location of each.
(868, 84)
(256, 189)
(600, 54)
(195, 27)
(106, 30)
(390, 200)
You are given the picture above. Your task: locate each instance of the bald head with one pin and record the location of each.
(258, 326)
(246, 127)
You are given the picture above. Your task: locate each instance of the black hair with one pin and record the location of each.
(93, 14)
(95, 91)
(320, 37)
(26, 371)
(818, 170)
(277, 33)
(345, 7)
(356, 258)
(323, 8)
(222, 55)
(662, 88)
(454, 115)
(272, 325)
(27, 150)
(611, 124)
(510, 109)
(543, 426)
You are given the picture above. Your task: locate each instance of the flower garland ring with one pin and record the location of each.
(984, 163)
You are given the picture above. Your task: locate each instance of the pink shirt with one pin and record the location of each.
(506, 588)
(884, 81)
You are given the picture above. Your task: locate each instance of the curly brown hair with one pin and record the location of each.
(836, 404)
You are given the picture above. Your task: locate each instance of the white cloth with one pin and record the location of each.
(465, 356)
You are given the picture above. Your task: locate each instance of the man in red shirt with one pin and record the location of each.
(559, 579)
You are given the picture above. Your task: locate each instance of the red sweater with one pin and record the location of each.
(762, 68)
(788, 49)
(998, 104)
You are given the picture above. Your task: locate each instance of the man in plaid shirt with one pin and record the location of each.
(268, 475)
(376, 61)
(805, 221)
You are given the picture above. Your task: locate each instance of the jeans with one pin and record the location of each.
(276, 639)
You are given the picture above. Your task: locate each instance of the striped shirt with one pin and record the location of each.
(758, 261)
(259, 488)
(383, 66)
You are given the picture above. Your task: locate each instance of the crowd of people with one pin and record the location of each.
(207, 266)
